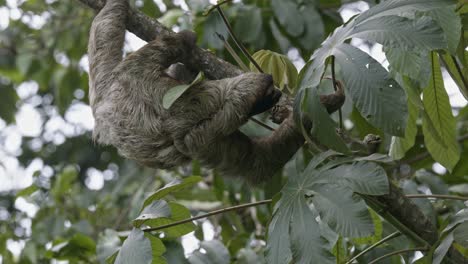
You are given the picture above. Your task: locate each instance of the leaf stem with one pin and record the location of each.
(398, 252)
(213, 7)
(236, 40)
(441, 196)
(335, 88)
(380, 242)
(220, 211)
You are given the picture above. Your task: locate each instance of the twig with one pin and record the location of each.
(398, 252)
(220, 211)
(258, 122)
(233, 53)
(335, 84)
(380, 242)
(236, 40)
(441, 196)
(207, 12)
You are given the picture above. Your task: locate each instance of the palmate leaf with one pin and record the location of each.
(380, 24)
(293, 233)
(443, 149)
(374, 93)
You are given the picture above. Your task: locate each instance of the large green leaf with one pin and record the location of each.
(378, 97)
(177, 91)
(307, 244)
(160, 213)
(361, 177)
(174, 186)
(279, 66)
(311, 74)
(289, 17)
(398, 7)
(450, 22)
(445, 149)
(400, 145)
(292, 233)
(401, 32)
(138, 248)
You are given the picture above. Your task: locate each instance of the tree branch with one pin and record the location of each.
(149, 29)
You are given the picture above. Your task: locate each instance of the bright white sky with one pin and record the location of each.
(78, 119)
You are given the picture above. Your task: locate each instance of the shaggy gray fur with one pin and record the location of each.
(126, 98)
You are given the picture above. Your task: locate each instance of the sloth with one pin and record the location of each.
(126, 98)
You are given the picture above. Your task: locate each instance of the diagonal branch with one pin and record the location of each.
(149, 29)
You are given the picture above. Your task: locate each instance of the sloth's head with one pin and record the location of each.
(261, 87)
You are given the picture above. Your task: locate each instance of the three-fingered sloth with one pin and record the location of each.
(126, 97)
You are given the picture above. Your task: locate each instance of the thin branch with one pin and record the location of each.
(398, 252)
(260, 123)
(207, 12)
(236, 40)
(335, 84)
(231, 51)
(380, 242)
(220, 211)
(441, 196)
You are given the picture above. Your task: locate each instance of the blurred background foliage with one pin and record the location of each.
(62, 197)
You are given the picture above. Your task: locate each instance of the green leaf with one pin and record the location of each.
(437, 107)
(323, 127)
(460, 234)
(460, 217)
(361, 177)
(138, 248)
(450, 22)
(8, 103)
(401, 32)
(157, 209)
(346, 213)
(442, 249)
(289, 16)
(374, 93)
(216, 253)
(174, 186)
(175, 92)
(160, 213)
(307, 244)
(409, 63)
(248, 24)
(279, 66)
(400, 145)
(398, 7)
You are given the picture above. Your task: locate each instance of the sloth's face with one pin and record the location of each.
(259, 89)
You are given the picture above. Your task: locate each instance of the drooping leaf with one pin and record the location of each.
(175, 92)
(279, 66)
(445, 149)
(138, 248)
(409, 63)
(450, 22)
(374, 93)
(157, 209)
(174, 186)
(401, 32)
